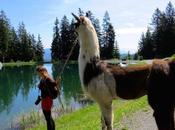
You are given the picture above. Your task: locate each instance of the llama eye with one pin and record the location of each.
(82, 21)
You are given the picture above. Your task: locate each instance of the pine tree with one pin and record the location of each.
(146, 46)
(128, 56)
(65, 37)
(170, 13)
(4, 36)
(163, 35)
(108, 38)
(33, 46)
(98, 30)
(12, 48)
(159, 43)
(141, 44)
(23, 43)
(73, 37)
(39, 50)
(56, 43)
(136, 56)
(90, 15)
(106, 23)
(80, 12)
(116, 51)
(14, 45)
(156, 18)
(109, 50)
(169, 32)
(156, 23)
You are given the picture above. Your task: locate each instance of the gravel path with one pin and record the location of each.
(141, 120)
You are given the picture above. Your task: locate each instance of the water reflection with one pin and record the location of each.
(13, 80)
(18, 89)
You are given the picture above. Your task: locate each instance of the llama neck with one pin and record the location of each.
(89, 51)
(88, 54)
(89, 46)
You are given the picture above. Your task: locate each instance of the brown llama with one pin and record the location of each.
(104, 82)
(161, 93)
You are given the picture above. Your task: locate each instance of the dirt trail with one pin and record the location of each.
(141, 120)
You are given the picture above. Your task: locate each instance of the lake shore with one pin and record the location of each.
(20, 91)
(35, 117)
(88, 118)
(31, 119)
(22, 63)
(19, 63)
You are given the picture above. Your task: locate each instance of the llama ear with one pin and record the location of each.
(76, 17)
(87, 14)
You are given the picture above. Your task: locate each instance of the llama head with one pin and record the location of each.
(83, 24)
(87, 35)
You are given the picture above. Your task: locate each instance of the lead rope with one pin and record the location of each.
(58, 78)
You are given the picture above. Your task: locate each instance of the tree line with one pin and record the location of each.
(159, 40)
(64, 36)
(18, 45)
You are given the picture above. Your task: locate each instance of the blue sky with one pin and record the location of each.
(129, 17)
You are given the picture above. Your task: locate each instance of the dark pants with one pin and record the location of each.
(49, 120)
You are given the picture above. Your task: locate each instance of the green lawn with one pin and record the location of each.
(19, 63)
(88, 118)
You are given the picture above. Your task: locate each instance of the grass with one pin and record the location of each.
(88, 118)
(22, 63)
(19, 63)
(35, 117)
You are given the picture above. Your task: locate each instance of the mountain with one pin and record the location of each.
(47, 55)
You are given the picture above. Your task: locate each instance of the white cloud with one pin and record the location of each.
(129, 24)
(129, 18)
(131, 30)
(70, 1)
(129, 37)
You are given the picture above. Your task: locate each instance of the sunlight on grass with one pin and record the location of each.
(89, 118)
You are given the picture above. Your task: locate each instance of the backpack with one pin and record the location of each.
(53, 90)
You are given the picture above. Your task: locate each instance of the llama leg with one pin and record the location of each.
(172, 121)
(103, 123)
(164, 118)
(107, 116)
(172, 125)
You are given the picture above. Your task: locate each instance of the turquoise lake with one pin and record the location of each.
(18, 90)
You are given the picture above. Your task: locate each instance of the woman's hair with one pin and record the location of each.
(41, 69)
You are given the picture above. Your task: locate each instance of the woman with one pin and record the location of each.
(45, 84)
